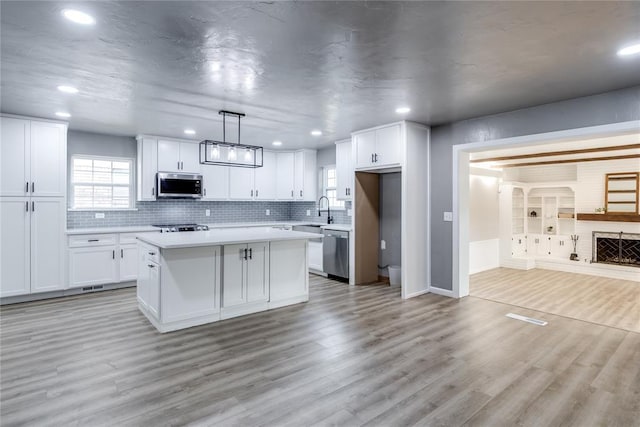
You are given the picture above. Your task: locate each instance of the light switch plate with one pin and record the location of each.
(99, 215)
(268, 212)
(448, 216)
(207, 212)
(383, 245)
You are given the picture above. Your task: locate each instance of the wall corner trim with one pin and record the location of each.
(443, 292)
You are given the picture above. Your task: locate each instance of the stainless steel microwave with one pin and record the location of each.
(171, 185)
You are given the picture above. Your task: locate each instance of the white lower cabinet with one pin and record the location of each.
(32, 255)
(153, 285)
(92, 266)
(99, 259)
(246, 274)
(128, 262)
(148, 286)
(315, 256)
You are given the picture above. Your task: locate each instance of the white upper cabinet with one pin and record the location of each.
(241, 183)
(48, 159)
(380, 147)
(14, 157)
(215, 182)
(284, 176)
(175, 156)
(344, 170)
(33, 158)
(265, 177)
(305, 175)
(147, 168)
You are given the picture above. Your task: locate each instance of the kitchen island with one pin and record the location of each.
(192, 278)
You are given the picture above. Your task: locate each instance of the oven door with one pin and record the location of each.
(178, 186)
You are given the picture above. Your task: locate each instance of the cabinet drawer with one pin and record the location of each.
(152, 254)
(88, 240)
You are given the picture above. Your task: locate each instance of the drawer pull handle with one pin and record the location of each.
(93, 240)
(151, 265)
(152, 253)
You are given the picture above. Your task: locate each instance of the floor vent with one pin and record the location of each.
(527, 319)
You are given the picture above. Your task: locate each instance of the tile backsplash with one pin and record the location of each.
(193, 211)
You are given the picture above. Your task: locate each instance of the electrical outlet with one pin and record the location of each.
(99, 215)
(308, 212)
(207, 212)
(383, 245)
(448, 216)
(267, 212)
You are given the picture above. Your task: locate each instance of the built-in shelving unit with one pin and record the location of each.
(517, 211)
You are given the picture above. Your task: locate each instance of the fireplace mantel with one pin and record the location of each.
(608, 217)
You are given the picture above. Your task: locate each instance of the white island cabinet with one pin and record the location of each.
(189, 279)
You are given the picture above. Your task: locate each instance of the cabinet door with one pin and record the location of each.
(153, 304)
(284, 176)
(258, 272)
(48, 162)
(388, 146)
(344, 170)
(308, 187)
(241, 183)
(128, 262)
(365, 148)
(215, 182)
(92, 266)
(234, 290)
(518, 245)
(168, 156)
(298, 175)
(315, 256)
(266, 177)
(14, 246)
(189, 157)
(142, 283)
(48, 254)
(147, 168)
(14, 157)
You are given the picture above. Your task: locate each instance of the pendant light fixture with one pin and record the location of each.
(223, 153)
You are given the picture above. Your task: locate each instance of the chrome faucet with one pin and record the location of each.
(329, 217)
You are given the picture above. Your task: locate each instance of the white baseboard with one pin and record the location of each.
(440, 291)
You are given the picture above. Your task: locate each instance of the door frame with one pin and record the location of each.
(461, 154)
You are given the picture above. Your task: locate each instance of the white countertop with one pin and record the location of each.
(221, 237)
(145, 228)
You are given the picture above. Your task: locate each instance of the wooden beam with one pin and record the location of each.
(557, 162)
(558, 153)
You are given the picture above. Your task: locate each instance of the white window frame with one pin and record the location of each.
(325, 188)
(132, 183)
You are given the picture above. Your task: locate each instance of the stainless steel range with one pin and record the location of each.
(173, 228)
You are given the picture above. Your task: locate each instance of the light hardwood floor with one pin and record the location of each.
(351, 356)
(609, 302)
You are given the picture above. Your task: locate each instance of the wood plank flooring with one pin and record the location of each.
(600, 300)
(351, 356)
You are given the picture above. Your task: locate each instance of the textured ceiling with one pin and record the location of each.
(161, 67)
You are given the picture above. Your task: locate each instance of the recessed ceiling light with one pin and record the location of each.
(78, 17)
(63, 114)
(67, 89)
(316, 132)
(629, 50)
(190, 131)
(403, 110)
(277, 143)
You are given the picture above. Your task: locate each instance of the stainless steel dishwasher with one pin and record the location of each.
(335, 251)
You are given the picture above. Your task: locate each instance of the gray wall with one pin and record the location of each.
(611, 107)
(96, 144)
(326, 156)
(390, 226)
